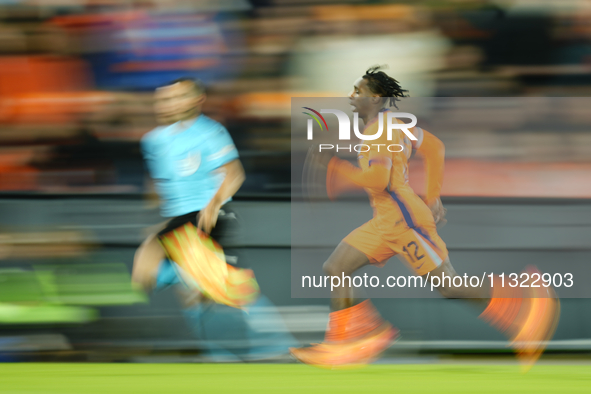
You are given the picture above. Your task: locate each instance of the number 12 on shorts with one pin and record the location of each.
(412, 250)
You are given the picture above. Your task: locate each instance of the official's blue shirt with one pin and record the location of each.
(183, 164)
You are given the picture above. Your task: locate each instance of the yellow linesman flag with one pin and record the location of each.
(203, 265)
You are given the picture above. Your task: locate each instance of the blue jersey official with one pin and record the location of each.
(195, 168)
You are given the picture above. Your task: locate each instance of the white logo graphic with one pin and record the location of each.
(345, 125)
(224, 151)
(391, 124)
(189, 165)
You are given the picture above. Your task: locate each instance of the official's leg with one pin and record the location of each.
(146, 262)
(213, 322)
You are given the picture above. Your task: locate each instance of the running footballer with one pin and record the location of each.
(404, 224)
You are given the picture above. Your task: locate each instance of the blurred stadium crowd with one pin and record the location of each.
(76, 76)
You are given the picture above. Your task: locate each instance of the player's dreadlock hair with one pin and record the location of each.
(381, 83)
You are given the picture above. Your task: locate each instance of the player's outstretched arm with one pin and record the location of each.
(375, 176)
(233, 180)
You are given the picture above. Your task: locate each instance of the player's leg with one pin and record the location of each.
(343, 262)
(426, 254)
(480, 295)
(353, 319)
(356, 332)
(528, 316)
(361, 247)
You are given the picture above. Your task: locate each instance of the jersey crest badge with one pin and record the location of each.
(189, 165)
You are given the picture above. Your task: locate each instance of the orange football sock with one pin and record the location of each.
(352, 323)
(503, 308)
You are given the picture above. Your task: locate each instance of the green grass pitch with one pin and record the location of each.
(289, 378)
